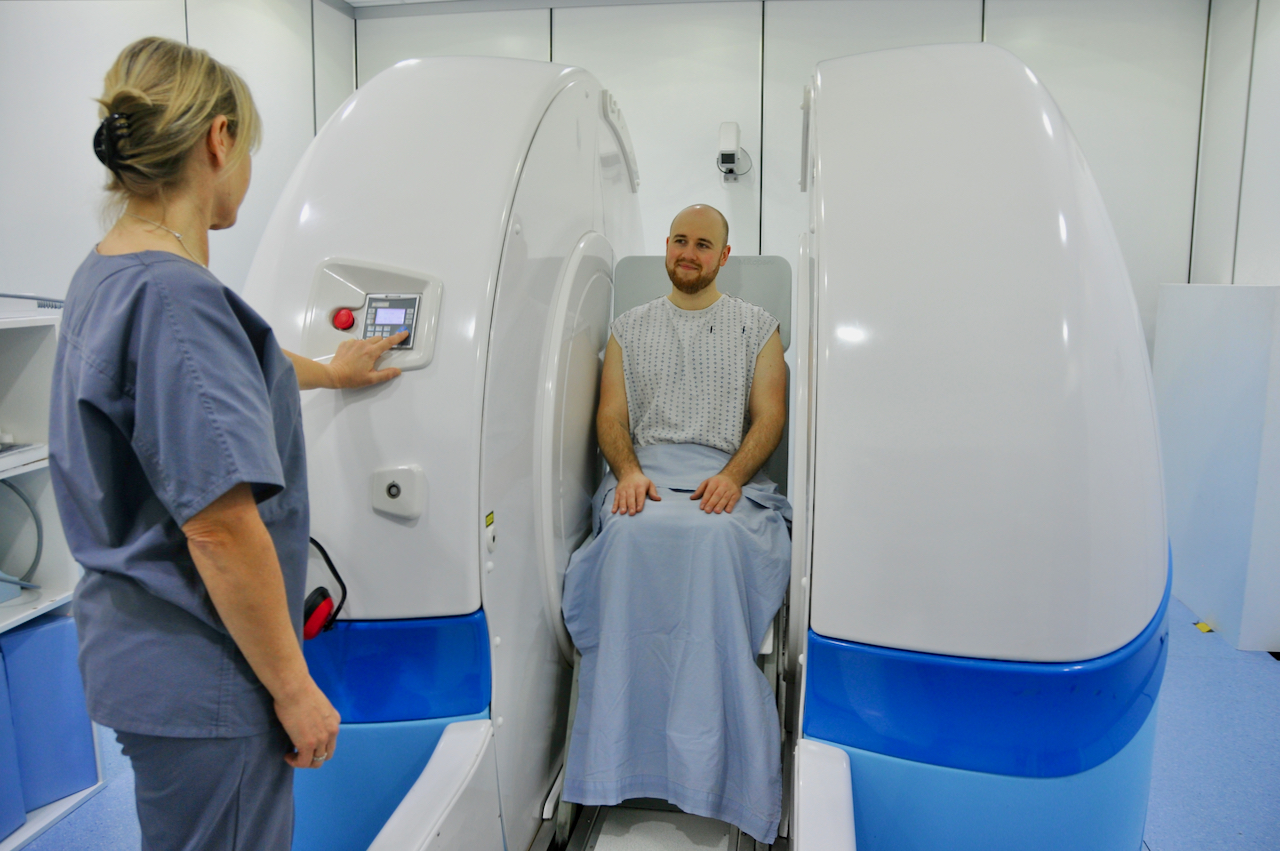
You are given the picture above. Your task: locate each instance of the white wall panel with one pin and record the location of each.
(517, 34)
(1128, 76)
(53, 57)
(268, 42)
(1226, 103)
(798, 35)
(678, 71)
(335, 58)
(1258, 245)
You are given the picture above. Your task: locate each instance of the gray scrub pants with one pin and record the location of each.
(212, 794)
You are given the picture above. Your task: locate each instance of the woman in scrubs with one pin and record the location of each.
(177, 460)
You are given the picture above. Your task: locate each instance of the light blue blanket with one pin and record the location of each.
(668, 608)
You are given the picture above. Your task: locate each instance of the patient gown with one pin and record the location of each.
(668, 608)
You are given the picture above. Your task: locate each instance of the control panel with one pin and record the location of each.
(356, 299)
(390, 313)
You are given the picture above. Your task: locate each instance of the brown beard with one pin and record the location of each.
(695, 286)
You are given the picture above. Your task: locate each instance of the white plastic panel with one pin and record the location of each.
(268, 42)
(1257, 249)
(679, 70)
(564, 425)
(988, 480)
(52, 60)
(453, 805)
(823, 805)
(514, 34)
(1228, 62)
(1129, 78)
(382, 185)
(353, 285)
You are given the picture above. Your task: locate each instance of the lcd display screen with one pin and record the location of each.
(389, 316)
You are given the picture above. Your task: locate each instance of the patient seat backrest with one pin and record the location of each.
(763, 281)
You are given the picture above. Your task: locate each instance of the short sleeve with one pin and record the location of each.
(767, 324)
(203, 421)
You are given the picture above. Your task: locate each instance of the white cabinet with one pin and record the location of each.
(28, 342)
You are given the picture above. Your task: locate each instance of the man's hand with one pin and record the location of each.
(718, 494)
(632, 489)
(352, 364)
(312, 724)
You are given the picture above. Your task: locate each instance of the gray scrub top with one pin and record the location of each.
(168, 390)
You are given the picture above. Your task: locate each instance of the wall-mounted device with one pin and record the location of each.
(359, 300)
(732, 160)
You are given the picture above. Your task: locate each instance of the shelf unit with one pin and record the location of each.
(28, 342)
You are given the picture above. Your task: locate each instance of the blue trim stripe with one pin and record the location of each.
(403, 670)
(1024, 719)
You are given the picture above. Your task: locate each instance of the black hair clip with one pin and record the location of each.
(107, 139)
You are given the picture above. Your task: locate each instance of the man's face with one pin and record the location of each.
(695, 251)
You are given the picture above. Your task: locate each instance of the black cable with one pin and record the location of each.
(328, 561)
(25, 579)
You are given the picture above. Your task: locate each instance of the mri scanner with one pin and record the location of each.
(973, 642)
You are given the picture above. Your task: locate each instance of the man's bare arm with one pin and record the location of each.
(768, 406)
(613, 431)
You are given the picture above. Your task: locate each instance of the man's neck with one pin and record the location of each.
(697, 301)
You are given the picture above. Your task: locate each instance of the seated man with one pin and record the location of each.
(668, 603)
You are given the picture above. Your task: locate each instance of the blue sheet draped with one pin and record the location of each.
(668, 608)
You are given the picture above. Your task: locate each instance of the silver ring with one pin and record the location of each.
(320, 757)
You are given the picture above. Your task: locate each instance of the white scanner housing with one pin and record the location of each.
(489, 196)
(988, 478)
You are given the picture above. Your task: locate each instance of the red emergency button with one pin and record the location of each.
(343, 319)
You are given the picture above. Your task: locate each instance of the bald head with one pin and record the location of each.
(700, 216)
(696, 249)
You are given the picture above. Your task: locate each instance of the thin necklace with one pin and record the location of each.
(176, 235)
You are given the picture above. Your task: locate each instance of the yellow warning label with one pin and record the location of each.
(488, 520)
(1203, 627)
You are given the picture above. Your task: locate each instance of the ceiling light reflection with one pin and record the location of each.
(851, 334)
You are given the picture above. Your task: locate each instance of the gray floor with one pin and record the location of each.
(1215, 784)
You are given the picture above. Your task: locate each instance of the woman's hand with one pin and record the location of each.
(353, 363)
(236, 558)
(351, 366)
(312, 724)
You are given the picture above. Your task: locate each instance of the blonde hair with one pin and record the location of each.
(169, 94)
